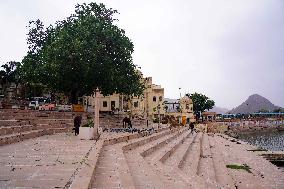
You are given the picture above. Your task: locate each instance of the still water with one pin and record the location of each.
(273, 141)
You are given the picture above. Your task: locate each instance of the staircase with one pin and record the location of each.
(20, 125)
(176, 159)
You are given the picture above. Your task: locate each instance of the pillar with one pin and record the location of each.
(97, 113)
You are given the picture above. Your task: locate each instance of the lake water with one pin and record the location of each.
(268, 140)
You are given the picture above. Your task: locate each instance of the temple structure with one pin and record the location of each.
(181, 108)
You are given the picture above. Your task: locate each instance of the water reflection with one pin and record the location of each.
(270, 140)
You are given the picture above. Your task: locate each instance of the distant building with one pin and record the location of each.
(209, 116)
(181, 109)
(154, 99)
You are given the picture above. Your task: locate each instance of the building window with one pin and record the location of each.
(187, 106)
(136, 104)
(161, 98)
(154, 99)
(104, 103)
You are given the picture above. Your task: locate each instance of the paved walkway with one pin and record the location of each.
(44, 162)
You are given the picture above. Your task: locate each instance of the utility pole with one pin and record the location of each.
(159, 107)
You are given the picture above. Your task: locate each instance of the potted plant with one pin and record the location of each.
(87, 130)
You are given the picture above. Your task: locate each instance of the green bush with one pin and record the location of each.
(89, 123)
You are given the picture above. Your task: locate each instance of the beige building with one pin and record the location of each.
(150, 104)
(107, 103)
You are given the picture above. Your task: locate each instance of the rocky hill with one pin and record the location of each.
(254, 103)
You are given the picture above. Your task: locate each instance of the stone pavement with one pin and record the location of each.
(44, 162)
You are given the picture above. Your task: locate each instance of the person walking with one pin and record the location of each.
(77, 123)
(191, 125)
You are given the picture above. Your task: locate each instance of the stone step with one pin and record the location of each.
(17, 137)
(60, 130)
(191, 158)
(149, 174)
(15, 129)
(112, 170)
(175, 178)
(133, 144)
(180, 180)
(206, 167)
(178, 157)
(149, 148)
(163, 153)
(31, 131)
(180, 153)
(221, 172)
(171, 176)
(13, 122)
(127, 137)
(117, 149)
(144, 176)
(22, 128)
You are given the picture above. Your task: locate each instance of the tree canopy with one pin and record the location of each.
(85, 51)
(9, 74)
(200, 103)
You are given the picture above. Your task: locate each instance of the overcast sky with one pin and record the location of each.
(225, 49)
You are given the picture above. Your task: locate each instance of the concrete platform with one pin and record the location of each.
(44, 162)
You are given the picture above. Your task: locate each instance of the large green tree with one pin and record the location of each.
(85, 51)
(200, 103)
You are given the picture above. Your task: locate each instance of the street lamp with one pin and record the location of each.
(159, 107)
(180, 120)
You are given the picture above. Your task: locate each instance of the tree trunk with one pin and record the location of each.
(73, 97)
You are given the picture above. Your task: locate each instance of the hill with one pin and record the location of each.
(253, 104)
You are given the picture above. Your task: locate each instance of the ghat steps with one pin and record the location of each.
(179, 159)
(20, 125)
